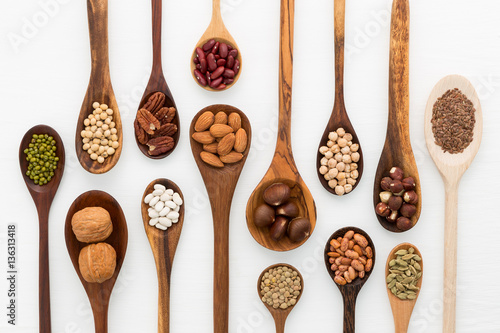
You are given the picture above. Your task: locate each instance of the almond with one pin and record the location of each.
(220, 130)
(211, 148)
(232, 157)
(204, 121)
(234, 121)
(241, 141)
(221, 118)
(226, 144)
(211, 159)
(203, 137)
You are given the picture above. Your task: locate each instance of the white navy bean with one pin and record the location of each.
(170, 204)
(177, 199)
(159, 206)
(148, 198)
(166, 197)
(158, 193)
(160, 187)
(153, 214)
(153, 222)
(154, 201)
(173, 215)
(165, 211)
(170, 191)
(165, 221)
(161, 227)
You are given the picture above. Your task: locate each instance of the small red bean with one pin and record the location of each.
(212, 64)
(200, 77)
(218, 72)
(203, 65)
(221, 62)
(209, 45)
(216, 83)
(230, 62)
(228, 73)
(223, 50)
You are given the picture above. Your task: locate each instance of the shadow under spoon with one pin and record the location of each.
(99, 89)
(163, 244)
(339, 117)
(452, 168)
(98, 293)
(43, 197)
(157, 82)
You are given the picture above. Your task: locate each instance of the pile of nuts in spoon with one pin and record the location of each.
(100, 136)
(404, 273)
(164, 206)
(339, 165)
(280, 287)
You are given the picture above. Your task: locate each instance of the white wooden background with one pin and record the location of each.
(44, 71)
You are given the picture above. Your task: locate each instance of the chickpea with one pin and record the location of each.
(332, 163)
(354, 174)
(338, 157)
(348, 188)
(339, 190)
(323, 170)
(333, 136)
(351, 181)
(335, 149)
(324, 161)
(354, 166)
(332, 183)
(343, 182)
(327, 177)
(355, 157)
(333, 173)
(346, 159)
(323, 150)
(345, 150)
(328, 154)
(348, 168)
(341, 176)
(348, 136)
(342, 142)
(341, 132)
(330, 144)
(354, 147)
(340, 166)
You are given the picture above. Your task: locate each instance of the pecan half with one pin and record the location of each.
(140, 133)
(170, 115)
(147, 121)
(155, 102)
(160, 145)
(166, 130)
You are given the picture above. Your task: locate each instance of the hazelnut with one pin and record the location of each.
(97, 262)
(277, 194)
(289, 209)
(408, 210)
(393, 217)
(385, 196)
(396, 187)
(299, 229)
(404, 224)
(409, 183)
(395, 202)
(383, 209)
(385, 184)
(411, 197)
(278, 228)
(264, 216)
(396, 173)
(92, 224)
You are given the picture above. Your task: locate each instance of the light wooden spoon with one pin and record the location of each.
(402, 309)
(452, 167)
(280, 315)
(163, 244)
(99, 89)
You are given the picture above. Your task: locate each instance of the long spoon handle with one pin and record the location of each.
(97, 11)
(164, 269)
(350, 296)
(43, 270)
(216, 14)
(100, 310)
(450, 253)
(339, 23)
(280, 326)
(156, 6)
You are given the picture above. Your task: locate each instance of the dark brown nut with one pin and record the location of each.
(264, 216)
(385, 184)
(396, 187)
(155, 102)
(289, 209)
(383, 209)
(299, 229)
(169, 117)
(396, 173)
(147, 121)
(160, 145)
(409, 183)
(209, 45)
(385, 196)
(408, 210)
(140, 133)
(166, 130)
(395, 202)
(393, 217)
(279, 228)
(404, 223)
(277, 194)
(411, 197)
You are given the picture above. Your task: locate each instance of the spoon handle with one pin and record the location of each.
(280, 326)
(100, 305)
(450, 253)
(339, 23)
(216, 13)
(97, 11)
(43, 269)
(164, 269)
(156, 6)
(350, 295)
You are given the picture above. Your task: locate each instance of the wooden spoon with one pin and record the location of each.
(43, 196)
(218, 31)
(397, 150)
(157, 81)
(452, 168)
(280, 315)
(163, 244)
(283, 168)
(349, 291)
(339, 117)
(98, 293)
(99, 89)
(220, 184)
(402, 309)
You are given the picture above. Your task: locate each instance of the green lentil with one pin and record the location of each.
(42, 158)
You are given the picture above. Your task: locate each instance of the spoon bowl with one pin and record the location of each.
(349, 291)
(163, 244)
(280, 315)
(99, 88)
(98, 293)
(157, 82)
(397, 150)
(402, 309)
(218, 31)
(452, 167)
(339, 117)
(43, 197)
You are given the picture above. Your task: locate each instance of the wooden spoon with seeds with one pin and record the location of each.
(452, 167)
(280, 315)
(402, 308)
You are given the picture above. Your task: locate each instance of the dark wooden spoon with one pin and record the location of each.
(349, 291)
(220, 184)
(339, 117)
(280, 315)
(397, 150)
(98, 293)
(157, 82)
(99, 89)
(43, 196)
(163, 244)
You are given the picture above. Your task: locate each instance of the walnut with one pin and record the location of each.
(97, 262)
(92, 224)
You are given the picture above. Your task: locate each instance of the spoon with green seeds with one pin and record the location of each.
(403, 273)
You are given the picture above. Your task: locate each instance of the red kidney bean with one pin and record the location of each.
(229, 48)
(200, 77)
(216, 83)
(217, 57)
(221, 62)
(228, 73)
(222, 86)
(209, 45)
(198, 66)
(196, 60)
(223, 50)
(234, 53)
(228, 81)
(203, 65)
(200, 53)
(215, 49)
(218, 72)
(212, 63)
(230, 62)
(236, 67)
